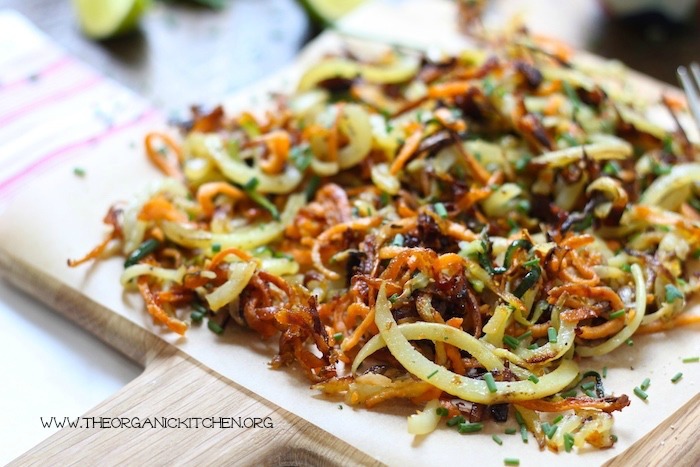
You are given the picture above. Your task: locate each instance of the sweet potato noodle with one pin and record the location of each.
(454, 231)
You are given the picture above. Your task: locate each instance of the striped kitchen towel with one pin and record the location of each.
(54, 107)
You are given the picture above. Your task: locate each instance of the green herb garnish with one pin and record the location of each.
(470, 427)
(617, 314)
(398, 240)
(215, 327)
(440, 210)
(511, 341)
(645, 384)
(454, 421)
(672, 293)
(568, 442)
(145, 249)
(490, 382)
(639, 392)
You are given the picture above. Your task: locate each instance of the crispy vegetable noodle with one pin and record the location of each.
(457, 232)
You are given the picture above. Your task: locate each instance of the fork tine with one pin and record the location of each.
(695, 70)
(691, 90)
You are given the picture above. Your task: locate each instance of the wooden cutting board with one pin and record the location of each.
(53, 215)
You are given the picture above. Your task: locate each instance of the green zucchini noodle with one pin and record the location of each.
(457, 232)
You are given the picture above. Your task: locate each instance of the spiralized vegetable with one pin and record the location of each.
(457, 232)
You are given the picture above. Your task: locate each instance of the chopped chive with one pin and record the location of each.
(338, 336)
(549, 429)
(524, 335)
(590, 393)
(432, 374)
(519, 418)
(215, 247)
(618, 314)
(454, 421)
(215, 327)
(490, 383)
(497, 439)
(532, 346)
(676, 377)
(626, 268)
(534, 379)
(645, 384)
(311, 187)
(640, 393)
(569, 393)
(197, 316)
(605, 372)
(301, 156)
(510, 431)
(385, 198)
(569, 138)
(612, 168)
(558, 419)
(529, 280)
(145, 249)
(263, 202)
(552, 335)
(470, 427)
(672, 293)
(691, 360)
(398, 240)
(588, 386)
(440, 210)
(573, 97)
(393, 298)
(79, 171)
(511, 341)
(522, 163)
(251, 184)
(568, 442)
(532, 262)
(523, 206)
(523, 433)
(660, 169)
(441, 412)
(629, 342)
(511, 461)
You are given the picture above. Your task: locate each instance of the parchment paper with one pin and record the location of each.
(56, 215)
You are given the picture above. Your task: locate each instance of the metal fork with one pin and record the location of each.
(691, 86)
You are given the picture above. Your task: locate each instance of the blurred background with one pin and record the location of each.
(192, 51)
(196, 52)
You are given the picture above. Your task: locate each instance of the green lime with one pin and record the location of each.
(328, 12)
(101, 19)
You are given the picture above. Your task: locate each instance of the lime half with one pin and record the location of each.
(101, 19)
(328, 12)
